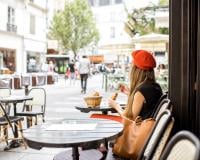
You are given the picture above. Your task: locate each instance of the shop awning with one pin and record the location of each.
(152, 37)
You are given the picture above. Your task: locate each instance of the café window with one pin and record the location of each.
(11, 15)
(118, 1)
(91, 2)
(33, 62)
(112, 16)
(112, 32)
(11, 27)
(7, 59)
(32, 24)
(104, 2)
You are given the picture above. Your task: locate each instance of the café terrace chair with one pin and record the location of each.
(7, 124)
(156, 141)
(162, 106)
(35, 107)
(164, 96)
(158, 137)
(184, 145)
(5, 92)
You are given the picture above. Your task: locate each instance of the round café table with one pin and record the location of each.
(72, 133)
(103, 109)
(14, 100)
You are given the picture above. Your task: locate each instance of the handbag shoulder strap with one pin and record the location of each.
(126, 119)
(138, 119)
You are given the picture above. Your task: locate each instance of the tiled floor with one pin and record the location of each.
(21, 153)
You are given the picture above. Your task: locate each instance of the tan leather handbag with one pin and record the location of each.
(133, 137)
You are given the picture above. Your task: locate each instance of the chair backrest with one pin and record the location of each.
(25, 80)
(159, 135)
(183, 146)
(4, 115)
(164, 96)
(163, 105)
(39, 97)
(6, 82)
(5, 92)
(162, 142)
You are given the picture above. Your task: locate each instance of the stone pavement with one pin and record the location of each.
(61, 99)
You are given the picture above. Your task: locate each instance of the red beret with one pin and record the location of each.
(143, 59)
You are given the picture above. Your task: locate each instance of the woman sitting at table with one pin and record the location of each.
(144, 92)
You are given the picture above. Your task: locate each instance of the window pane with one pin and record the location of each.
(91, 2)
(104, 2)
(118, 1)
(32, 24)
(112, 32)
(13, 16)
(9, 14)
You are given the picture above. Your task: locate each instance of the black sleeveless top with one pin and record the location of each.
(152, 93)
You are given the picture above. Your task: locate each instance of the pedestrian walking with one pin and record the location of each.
(51, 67)
(84, 70)
(72, 72)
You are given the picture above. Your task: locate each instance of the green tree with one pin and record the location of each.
(163, 2)
(142, 20)
(142, 23)
(74, 27)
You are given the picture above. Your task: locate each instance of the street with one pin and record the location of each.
(61, 99)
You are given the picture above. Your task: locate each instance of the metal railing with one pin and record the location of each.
(11, 28)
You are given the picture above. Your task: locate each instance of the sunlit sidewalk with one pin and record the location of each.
(61, 99)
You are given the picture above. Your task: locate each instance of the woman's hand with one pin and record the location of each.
(124, 89)
(115, 105)
(112, 103)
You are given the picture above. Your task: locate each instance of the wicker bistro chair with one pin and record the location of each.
(158, 138)
(36, 107)
(164, 96)
(163, 105)
(6, 92)
(6, 125)
(183, 146)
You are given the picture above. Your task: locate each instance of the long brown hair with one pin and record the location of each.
(137, 77)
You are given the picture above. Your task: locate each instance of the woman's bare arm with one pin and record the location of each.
(137, 104)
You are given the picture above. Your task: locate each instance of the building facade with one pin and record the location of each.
(110, 16)
(23, 41)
